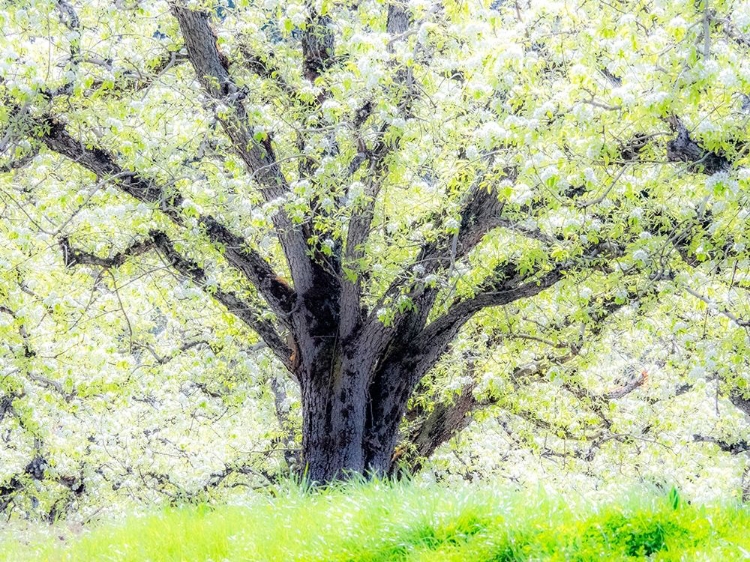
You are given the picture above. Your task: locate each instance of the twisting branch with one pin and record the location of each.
(735, 448)
(255, 268)
(136, 81)
(29, 353)
(158, 240)
(212, 70)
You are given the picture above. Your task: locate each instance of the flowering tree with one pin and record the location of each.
(357, 183)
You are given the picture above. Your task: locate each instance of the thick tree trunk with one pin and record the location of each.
(350, 419)
(327, 453)
(333, 424)
(334, 404)
(355, 396)
(388, 400)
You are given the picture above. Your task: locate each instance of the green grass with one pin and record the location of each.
(400, 522)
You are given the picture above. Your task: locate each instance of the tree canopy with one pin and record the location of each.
(241, 237)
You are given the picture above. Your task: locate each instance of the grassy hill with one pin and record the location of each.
(384, 522)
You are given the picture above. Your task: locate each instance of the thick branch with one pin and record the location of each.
(733, 448)
(447, 419)
(255, 268)
(494, 293)
(158, 240)
(684, 149)
(398, 18)
(442, 423)
(317, 45)
(256, 150)
(480, 213)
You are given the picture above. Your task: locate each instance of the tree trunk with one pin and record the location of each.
(332, 428)
(334, 402)
(350, 418)
(388, 400)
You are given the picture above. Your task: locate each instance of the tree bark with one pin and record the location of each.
(332, 428)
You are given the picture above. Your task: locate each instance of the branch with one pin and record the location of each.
(480, 213)
(684, 149)
(317, 45)
(723, 311)
(267, 69)
(158, 240)
(614, 394)
(733, 448)
(255, 268)
(163, 360)
(73, 23)
(731, 31)
(530, 232)
(429, 346)
(73, 256)
(740, 402)
(137, 81)
(30, 353)
(18, 163)
(360, 223)
(397, 23)
(603, 196)
(441, 424)
(281, 406)
(211, 68)
(255, 320)
(504, 288)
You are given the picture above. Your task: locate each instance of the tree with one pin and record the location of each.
(356, 182)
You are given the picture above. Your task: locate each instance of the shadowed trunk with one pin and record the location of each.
(333, 411)
(332, 431)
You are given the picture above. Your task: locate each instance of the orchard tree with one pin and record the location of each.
(358, 181)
